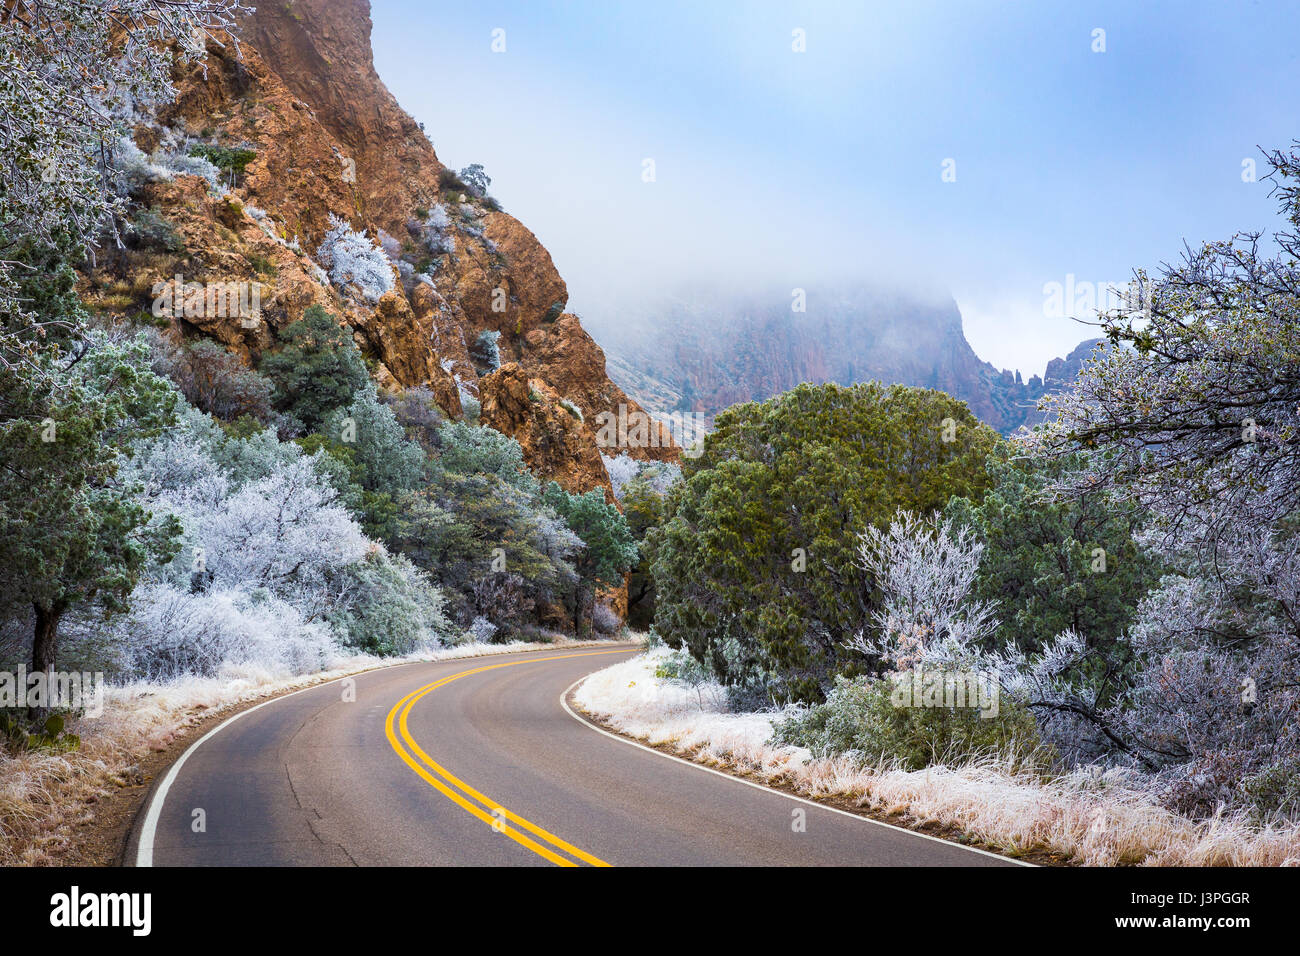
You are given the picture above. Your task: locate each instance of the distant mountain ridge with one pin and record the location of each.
(704, 351)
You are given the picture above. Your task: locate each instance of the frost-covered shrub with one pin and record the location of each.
(179, 162)
(605, 620)
(391, 247)
(391, 607)
(452, 526)
(283, 533)
(130, 169)
(232, 160)
(172, 632)
(355, 264)
(571, 408)
(175, 463)
(439, 233)
(621, 470)
(923, 572)
(265, 537)
(480, 631)
(1214, 716)
(470, 450)
(862, 718)
(487, 350)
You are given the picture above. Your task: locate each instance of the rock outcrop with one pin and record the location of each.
(326, 138)
(706, 350)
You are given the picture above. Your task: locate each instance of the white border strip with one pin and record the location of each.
(564, 702)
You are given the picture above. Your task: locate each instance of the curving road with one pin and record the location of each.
(478, 762)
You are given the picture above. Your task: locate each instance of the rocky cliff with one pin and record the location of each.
(704, 350)
(303, 129)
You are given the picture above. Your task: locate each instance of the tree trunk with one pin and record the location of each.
(46, 641)
(584, 604)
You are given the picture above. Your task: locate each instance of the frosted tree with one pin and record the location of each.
(285, 533)
(353, 262)
(1193, 409)
(621, 470)
(923, 571)
(1192, 413)
(68, 70)
(476, 179)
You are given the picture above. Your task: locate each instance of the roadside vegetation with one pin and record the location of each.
(177, 515)
(861, 567)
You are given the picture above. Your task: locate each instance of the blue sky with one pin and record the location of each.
(800, 169)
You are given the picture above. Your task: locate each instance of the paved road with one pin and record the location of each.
(477, 762)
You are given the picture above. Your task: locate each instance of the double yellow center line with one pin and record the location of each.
(501, 820)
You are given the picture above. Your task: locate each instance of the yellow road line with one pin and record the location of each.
(443, 780)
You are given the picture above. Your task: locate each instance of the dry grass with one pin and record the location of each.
(44, 796)
(1088, 817)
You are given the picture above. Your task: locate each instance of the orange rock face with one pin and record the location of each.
(302, 92)
(555, 439)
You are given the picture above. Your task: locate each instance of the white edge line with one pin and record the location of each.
(149, 830)
(144, 851)
(564, 702)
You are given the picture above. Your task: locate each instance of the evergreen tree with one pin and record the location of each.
(609, 549)
(317, 370)
(755, 565)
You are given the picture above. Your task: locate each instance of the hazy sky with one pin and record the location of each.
(798, 168)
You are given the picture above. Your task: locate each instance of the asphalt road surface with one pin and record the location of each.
(478, 762)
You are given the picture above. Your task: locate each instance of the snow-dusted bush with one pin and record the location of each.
(197, 446)
(130, 169)
(654, 477)
(571, 408)
(621, 470)
(480, 631)
(266, 544)
(391, 607)
(923, 571)
(172, 632)
(439, 233)
(487, 349)
(605, 620)
(177, 160)
(863, 720)
(354, 263)
(390, 246)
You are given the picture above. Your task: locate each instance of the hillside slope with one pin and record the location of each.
(317, 134)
